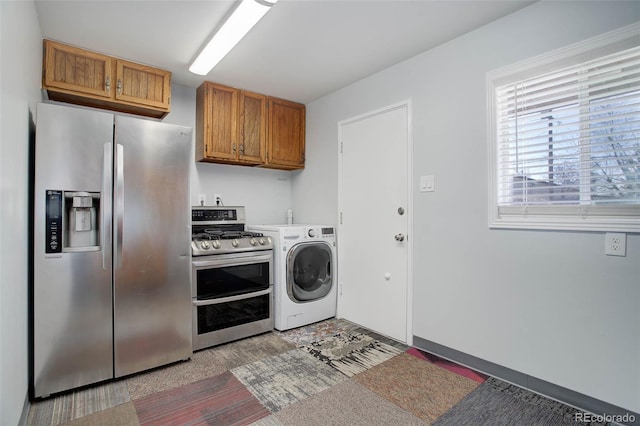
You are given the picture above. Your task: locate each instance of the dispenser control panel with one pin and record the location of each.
(53, 229)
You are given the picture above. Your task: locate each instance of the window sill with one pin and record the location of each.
(564, 223)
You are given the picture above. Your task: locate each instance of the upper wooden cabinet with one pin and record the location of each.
(286, 134)
(216, 123)
(75, 70)
(140, 84)
(252, 127)
(235, 126)
(87, 78)
(230, 125)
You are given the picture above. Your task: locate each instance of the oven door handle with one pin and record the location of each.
(216, 261)
(231, 298)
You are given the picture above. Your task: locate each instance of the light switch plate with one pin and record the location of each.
(427, 183)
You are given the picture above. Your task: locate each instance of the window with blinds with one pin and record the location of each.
(567, 145)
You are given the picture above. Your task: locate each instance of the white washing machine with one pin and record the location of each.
(305, 280)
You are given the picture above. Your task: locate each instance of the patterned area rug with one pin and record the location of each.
(451, 366)
(416, 385)
(207, 363)
(64, 408)
(313, 332)
(219, 400)
(351, 353)
(283, 379)
(346, 404)
(498, 403)
(121, 415)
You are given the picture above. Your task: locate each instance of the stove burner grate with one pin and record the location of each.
(215, 234)
(203, 236)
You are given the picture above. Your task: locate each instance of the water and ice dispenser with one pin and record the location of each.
(72, 221)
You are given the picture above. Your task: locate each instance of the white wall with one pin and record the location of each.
(20, 71)
(265, 193)
(547, 304)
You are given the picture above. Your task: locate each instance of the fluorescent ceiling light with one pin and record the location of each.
(243, 18)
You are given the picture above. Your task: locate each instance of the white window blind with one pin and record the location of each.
(568, 141)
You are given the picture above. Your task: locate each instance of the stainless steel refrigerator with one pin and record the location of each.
(111, 247)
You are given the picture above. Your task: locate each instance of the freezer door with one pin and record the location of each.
(72, 297)
(152, 287)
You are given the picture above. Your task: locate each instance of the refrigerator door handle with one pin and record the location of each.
(106, 206)
(119, 205)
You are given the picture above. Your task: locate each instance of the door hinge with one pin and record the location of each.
(340, 218)
(341, 147)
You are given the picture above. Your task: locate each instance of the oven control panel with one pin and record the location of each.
(217, 214)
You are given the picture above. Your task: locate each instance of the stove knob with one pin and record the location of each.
(235, 243)
(205, 245)
(253, 242)
(216, 244)
(266, 240)
(312, 233)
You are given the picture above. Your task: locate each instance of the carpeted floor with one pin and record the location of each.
(422, 388)
(330, 373)
(496, 400)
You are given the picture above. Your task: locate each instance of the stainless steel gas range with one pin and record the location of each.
(232, 277)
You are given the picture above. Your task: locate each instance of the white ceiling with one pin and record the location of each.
(301, 50)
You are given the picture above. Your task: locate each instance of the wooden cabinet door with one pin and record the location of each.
(286, 134)
(142, 85)
(252, 132)
(217, 113)
(76, 70)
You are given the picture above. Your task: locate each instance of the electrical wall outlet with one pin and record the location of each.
(615, 244)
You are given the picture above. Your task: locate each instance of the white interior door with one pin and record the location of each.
(373, 232)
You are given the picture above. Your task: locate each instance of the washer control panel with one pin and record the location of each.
(293, 233)
(320, 232)
(327, 231)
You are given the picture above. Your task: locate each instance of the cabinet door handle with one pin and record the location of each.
(107, 85)
(233, 147)
(119, 87)
(242, 149)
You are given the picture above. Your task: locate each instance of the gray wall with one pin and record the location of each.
(548, 304)
(20, 74)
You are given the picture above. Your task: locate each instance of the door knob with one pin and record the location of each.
(399, 237)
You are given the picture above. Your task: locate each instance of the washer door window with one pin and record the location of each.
(309, 271)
